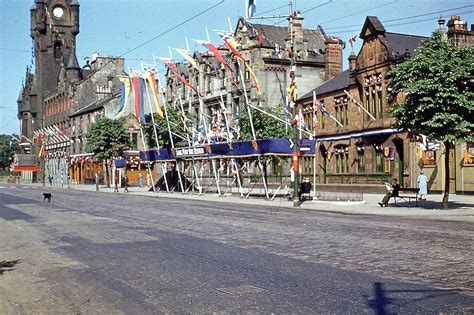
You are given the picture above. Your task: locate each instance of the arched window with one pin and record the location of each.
(341, 154)
(57, 50)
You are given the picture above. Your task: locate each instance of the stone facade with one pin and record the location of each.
(367, 151)
(266, 48)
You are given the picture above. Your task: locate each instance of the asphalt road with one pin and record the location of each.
(131, 254)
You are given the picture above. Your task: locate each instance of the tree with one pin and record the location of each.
(265, 127)
(436, 102)
(107, 139)
(8, 147)
(176, 125)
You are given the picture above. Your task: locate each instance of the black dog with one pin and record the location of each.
(47, 196)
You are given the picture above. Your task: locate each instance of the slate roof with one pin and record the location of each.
(94, 106)
(339, 82)
(398, 44)
(273, 34)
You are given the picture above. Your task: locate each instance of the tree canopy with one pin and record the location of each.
(266, 127)
(8, 148)
(107, 138)
(176, 125)
(436, 102)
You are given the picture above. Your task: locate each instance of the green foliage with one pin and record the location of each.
(437, 104)
(177, 127)
(266, 127)
(8, 148)
(106, 138)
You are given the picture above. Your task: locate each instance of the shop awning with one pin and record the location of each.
(19, 168)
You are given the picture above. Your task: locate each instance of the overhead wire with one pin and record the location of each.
(404, 18)
(400, 24)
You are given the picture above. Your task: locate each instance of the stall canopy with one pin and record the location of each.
(241, 149)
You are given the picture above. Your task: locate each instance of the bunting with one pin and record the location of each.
(175, 71)
(150, 77)
(125, 87)
(327, 113)
(137, 85)
(218, 55)
(231, 43)
(352, 41)
(188, 57)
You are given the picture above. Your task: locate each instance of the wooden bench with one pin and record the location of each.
(407, 194)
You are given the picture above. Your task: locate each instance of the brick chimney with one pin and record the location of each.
(333, 57)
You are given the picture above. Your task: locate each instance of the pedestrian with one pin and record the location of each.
(50, 179)
(422, 186)
(393, 192)
(125, 182)
(140, 180)
(305, 188)
(148, 180)
(116, 181)
(97, 180)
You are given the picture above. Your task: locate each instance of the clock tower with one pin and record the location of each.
(54, 27)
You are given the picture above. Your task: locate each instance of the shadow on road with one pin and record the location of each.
(380, 300)
(8, 265)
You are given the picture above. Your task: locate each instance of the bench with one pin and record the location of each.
(407, 194)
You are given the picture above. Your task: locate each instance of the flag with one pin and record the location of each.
(327, 113)
(218, 55)
(41, 152)
(151, 79)
(352, 41)
(250, 8)
(188, 57)
(125, 87)
(175, 71)
(231, 43)
(314, 108)
(138, 96)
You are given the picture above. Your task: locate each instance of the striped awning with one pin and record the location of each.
(52, 137)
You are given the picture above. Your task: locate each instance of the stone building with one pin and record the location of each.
(318, 57)
(366, 150)
(59, 88)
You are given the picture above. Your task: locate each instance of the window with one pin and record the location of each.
(341, 108)
(323, 123)
(379, 104)
(134, 139)
(341, 154)
(379, 159)
(360, 159)
(57, 50)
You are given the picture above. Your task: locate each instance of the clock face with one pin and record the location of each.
(58, 12)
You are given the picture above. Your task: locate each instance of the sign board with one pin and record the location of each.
(184, 152)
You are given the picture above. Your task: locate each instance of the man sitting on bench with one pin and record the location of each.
(305, 188)
(392, 193)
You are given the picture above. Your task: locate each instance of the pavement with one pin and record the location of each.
(461, 207)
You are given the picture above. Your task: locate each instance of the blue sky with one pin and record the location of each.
(115, 27)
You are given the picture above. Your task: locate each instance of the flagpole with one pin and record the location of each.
(315, 151)
(252, 127)
(359, 105)
(172, 145)
(153, 122)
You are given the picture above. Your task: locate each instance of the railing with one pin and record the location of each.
(377, 178)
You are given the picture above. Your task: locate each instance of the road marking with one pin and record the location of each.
(2, 187)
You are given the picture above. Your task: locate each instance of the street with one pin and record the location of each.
(94, 252)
